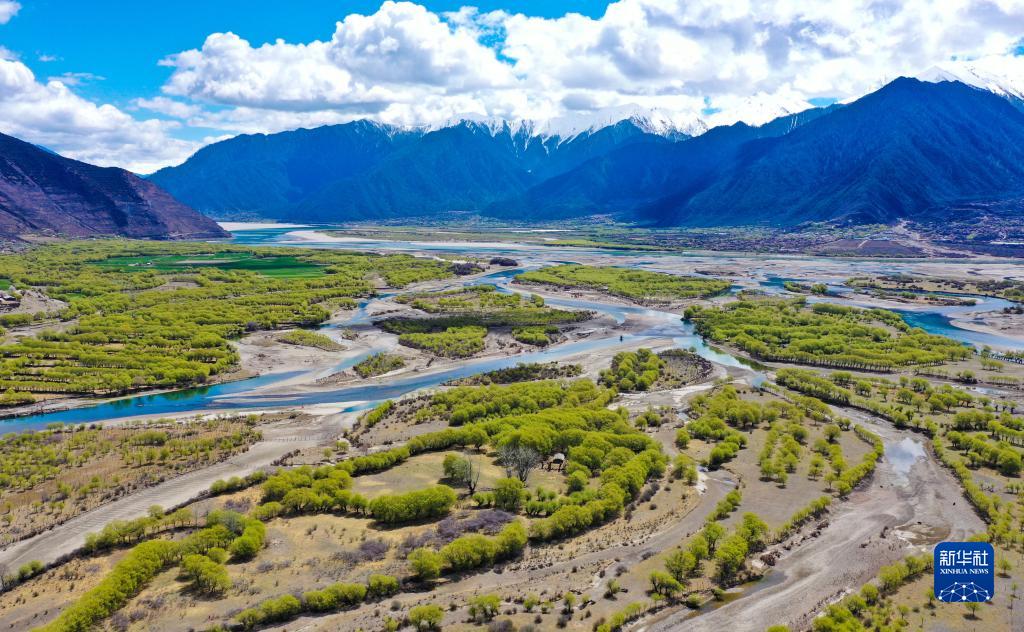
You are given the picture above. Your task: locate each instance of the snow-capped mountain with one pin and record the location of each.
(759, 109)
(997, 74)
(570, 126)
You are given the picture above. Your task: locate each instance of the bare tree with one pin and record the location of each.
(472, 474)
(506, 454)
(462, 470)
(519, 460)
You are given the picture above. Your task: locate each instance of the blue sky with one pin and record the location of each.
(145, 84)
(123, 40)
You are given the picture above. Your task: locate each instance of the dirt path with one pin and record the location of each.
(69, 536)
(851, 549)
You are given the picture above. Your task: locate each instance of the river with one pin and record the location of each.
(239, 395)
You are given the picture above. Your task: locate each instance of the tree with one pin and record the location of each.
(463, 471)
(378, 586)
(207, 577)
(730, 555)
(1005, 566)
(664, 584)
(518, 460)
(972, 607)
(831, 433)
(681, 564)
(712, 533)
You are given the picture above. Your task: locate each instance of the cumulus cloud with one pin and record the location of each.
(50, 114)
(404, 64)
(8, 9)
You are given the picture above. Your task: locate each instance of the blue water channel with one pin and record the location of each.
(233, 395)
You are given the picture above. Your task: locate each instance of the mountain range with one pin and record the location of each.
(949, 147)
(44, 194)
(911, 150)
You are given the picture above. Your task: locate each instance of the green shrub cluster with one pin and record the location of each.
(1000, 456)
(206, 575)
(812, 510)
(133, 331)
(453, 342)
(420, 504)
(469, 552)
(639, 285)
(378, 364)
(379, 412)
(870, 603)
(141, 563)
(485, 306)
(633, 371)
(619, 485)
(122, 583)
(306, 338)
(539, 336)
(616, 621)
(236, 483)
(824, 335)
(330, 599)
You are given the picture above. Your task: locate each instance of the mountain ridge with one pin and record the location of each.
(45, 194)
(832, 164)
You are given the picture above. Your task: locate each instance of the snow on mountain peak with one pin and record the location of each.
(568, 126)
(1002, 75)
(759, 109)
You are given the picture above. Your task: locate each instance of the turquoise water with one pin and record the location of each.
(161, 403)
(238, 396)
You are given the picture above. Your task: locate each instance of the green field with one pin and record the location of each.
(273, 266)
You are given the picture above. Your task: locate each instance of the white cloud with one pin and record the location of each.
(403, 64)
(8, 9)
(77, 78)
(50, 114)
(168, 107)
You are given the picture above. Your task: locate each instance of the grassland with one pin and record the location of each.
(285, 267)
(50, 476)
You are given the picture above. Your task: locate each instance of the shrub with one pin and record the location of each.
(206, 575)
(379, 586)
(484, 607)
(426, 617)
(125, 580)
(508, 494)
(416, 505)
(426, 563)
